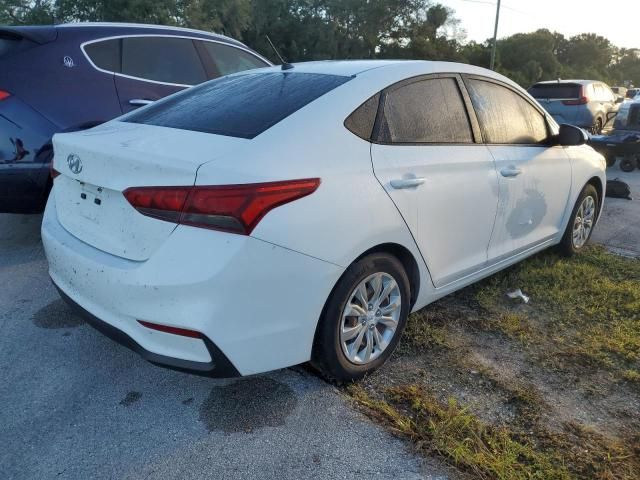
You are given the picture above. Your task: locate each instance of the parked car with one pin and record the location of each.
(632, 93)
(271, 217)
(619, 91)
(621, 137)
(584, 103)
(70, 77)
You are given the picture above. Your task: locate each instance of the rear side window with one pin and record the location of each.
(162, 59)
(239, 105)
(505, 117)
(555, 91)
(229, 60)
(362, 120)
(426, 111)
(105, 54)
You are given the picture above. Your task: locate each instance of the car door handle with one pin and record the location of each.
(139, 102)
(510, 172)
(407, 182)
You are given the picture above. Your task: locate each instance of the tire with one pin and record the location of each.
(628, 163)
(329, 355)
(596, 128)
(571, 245)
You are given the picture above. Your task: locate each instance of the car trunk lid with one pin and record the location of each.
(97, 165)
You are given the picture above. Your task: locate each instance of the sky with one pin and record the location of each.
(612, 20)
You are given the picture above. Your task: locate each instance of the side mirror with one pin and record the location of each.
(570, 136)
(619, 99)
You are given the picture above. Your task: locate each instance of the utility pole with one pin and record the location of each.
(495, 37)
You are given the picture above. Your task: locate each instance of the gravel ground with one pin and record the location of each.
(619, 226)
(77, 405)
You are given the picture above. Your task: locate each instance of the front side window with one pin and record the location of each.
(162, 59)
(241, 106)
(229, 59)
(105, 54)
(505, 117)
(425, 111)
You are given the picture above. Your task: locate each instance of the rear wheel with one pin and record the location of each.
(628, 163)
(363, 318)
(582, 221)
(596, 128)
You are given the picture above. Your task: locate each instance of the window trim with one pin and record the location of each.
(141, 79)
(474, 126)
(550, 136)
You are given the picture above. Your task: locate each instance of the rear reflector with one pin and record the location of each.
(53, 172)
(230, 208)
(183, 332)
(4, 95)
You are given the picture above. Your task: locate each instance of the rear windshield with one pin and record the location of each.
(561, 90)
(239, 105)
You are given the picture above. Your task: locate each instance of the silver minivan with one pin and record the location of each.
(584, 103)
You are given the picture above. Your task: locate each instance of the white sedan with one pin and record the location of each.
(283, 215)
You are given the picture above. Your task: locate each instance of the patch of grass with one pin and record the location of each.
(631, 375)
(587, 305)
(460, 437)
(506, 452)
(425, 330)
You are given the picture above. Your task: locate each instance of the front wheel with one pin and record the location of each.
(582, 221)
(363, 318)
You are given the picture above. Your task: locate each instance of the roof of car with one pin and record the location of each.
(139, 27)
(560, 81)
(356, 67)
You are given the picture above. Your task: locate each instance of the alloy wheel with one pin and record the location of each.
(583, 222)
(370, 318)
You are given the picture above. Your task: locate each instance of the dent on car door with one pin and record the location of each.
(534, 176)
(443, 184)
(154, 67)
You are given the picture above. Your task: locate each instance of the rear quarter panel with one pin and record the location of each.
(350, 212)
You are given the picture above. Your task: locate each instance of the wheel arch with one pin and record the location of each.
(597, 184)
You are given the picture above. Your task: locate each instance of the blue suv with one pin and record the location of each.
(75, 76)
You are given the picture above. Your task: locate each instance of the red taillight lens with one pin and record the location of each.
(184, 332)
(53, 172)
(231, 208)
(583, 100)
(4, 95)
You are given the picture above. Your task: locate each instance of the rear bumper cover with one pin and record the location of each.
(220, 367)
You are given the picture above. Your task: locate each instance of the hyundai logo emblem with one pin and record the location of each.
(74, 163)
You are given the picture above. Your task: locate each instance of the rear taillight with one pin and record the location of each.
(4, 95)
(230, 208)
(53, 172)
(583, 100)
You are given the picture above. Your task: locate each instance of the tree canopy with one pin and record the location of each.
(349, 29)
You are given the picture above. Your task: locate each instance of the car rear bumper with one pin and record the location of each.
(255, 304)
(219, 367)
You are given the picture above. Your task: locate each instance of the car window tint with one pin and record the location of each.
(426, 111)
(229, 60)
(553, 91)
(504, 116)
(243, 105)
(163, 59)
(105, 54)
(363, 118)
